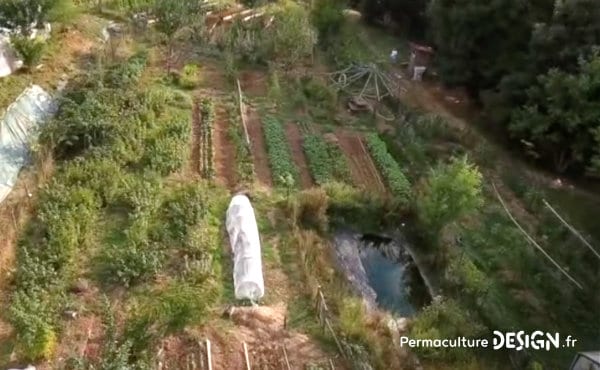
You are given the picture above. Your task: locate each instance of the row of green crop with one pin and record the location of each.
(207, 111)
(326, 161)
(395, 178)
(243, 153)
(113, 145)
(283, 169)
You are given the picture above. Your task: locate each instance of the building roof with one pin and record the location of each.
(421, 48)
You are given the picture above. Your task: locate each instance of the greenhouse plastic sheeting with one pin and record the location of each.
(20, 121)
(245, 244)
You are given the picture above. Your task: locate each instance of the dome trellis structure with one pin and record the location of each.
(365, 81)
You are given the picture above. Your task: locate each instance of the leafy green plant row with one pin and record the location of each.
(388, 166)
(243, 154)
(325, 160)
(207, 111)
(283, 169)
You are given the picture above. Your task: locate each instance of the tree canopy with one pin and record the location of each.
(562, 115)
(452, 191)
(479, 41)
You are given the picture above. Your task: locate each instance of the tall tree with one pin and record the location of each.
(564, 31)
(573, 32)
(479, 41)
(451, 191)
(173, 16)
(410, 14)
(562, 116)
(21, 14)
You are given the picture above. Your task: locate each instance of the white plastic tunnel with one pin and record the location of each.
(245, 245)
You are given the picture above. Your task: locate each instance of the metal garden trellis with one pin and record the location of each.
(365, 82)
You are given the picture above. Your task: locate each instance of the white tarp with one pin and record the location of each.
(21, 120)
(245, 244)
(8, 59)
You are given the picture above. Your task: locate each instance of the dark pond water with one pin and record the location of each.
(383, 271)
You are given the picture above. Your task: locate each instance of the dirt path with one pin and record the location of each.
(258, 147)
(364, 173)
(254, 83)
(294, 137)
(223, 149)
(195, 155)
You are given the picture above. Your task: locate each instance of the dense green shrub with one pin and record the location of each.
(464, 273)
(66, 220)
(30, 50)
(83, 121)
(288, 40)
(68, 215)
(390, 169)
(327, 17)
(280, 158)
(33, 270)
(140, 193)
(348, 49)
(320, 98)
(353, 318)
(184, 207)
(309, 208)
(102, 176)
(246, 41)
(33, 317)
(292, 34)
(190, 76)
(452, 191)
(164, 155)
(127, 74)
(325, 160)
(445, 319)
(131, 263)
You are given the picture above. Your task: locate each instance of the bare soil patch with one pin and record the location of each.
(294, 137)
(258, 147)
(254, 83)
(264, 332)
(364, 172)
(224, 150)
(195, 155)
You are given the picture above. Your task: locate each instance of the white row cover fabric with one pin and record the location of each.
(245, 243)
(19, 124)
(8, 58)
(9, 61)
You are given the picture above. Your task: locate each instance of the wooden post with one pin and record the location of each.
(337, 341)
(242, 115)
(246, 357)
(200, 356)
(285, 356)
(208, 354)
(159, 357)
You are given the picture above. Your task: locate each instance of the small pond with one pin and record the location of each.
(382, 271)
